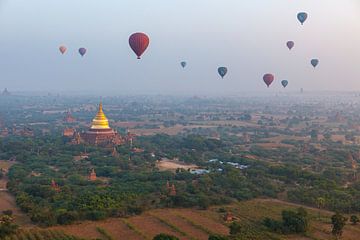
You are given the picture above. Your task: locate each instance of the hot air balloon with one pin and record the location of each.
(284, 83)
(268, 79)
(290, 44)
(314, 62)
(82, 51)
(183, 64)
(62, 49)
(302, 16)
(139, 43)
(222, 71)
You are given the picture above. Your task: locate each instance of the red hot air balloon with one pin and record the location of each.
(268, 79)
(139, 43)
(62, 49)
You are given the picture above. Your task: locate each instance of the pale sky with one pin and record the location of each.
(247, 36)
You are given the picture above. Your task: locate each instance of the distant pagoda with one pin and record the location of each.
(5, 92)
(100, 132)
(69, 118)
(92, 175)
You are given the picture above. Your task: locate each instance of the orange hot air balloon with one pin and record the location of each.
(139, 42)
(62, 49)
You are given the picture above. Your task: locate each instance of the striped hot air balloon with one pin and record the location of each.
(139, 42)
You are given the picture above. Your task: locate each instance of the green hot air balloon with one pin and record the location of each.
(284, 83)
(314, 62)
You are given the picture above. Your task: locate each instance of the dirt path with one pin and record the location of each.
(7, 200)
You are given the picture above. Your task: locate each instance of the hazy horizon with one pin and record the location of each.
(246, 36)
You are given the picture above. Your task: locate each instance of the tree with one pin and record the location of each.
(8, 212)
(354, 219)
(235, 228)
(65, 217)
(314, 135)
(292, 222)
(320, 202)
(163, 236)
(7, 227)
(217, 237)
(295, 222)
(338, 222)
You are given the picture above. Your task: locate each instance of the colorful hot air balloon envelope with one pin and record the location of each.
(82, 51)
(302, 16)
(183, 64)
(314, 62)
(222, 71)
(139, 42)
(62, 49)
(290, 44)
(284, 83)
(268, 79)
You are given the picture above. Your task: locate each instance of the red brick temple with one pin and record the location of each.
(100, 132)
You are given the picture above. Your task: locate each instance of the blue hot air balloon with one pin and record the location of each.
(183, 64)
(82, 51)
(314, 62)
(284, 83)
(290, 44)
(302, 16)
(222, 71)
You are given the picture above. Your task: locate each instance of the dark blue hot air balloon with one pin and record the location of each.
(82, 51)
(222, 71)
(302, 16)
(284, 83)
(314, 62)
(183, 64)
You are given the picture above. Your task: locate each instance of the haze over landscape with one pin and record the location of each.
(179, 120)
(246, 36)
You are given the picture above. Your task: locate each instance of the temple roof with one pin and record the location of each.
(100, 121)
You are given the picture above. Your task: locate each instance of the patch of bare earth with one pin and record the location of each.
(172, 165)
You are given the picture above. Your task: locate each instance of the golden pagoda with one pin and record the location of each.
(100, 121)
(100, 133)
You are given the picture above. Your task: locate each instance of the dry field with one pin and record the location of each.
(172, 165)
(185, 224)
(197, 224)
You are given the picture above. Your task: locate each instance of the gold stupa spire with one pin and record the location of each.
(100, 121)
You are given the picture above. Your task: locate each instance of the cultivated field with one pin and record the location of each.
(198, 224)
